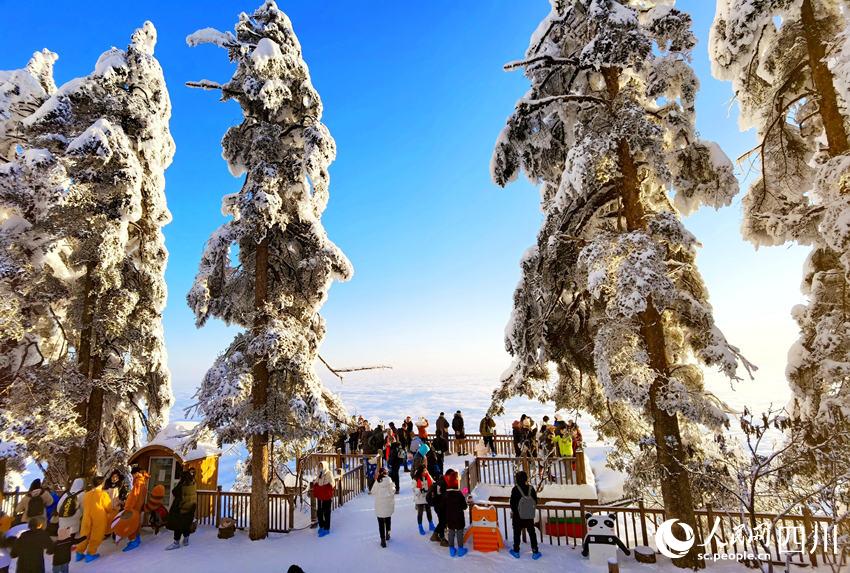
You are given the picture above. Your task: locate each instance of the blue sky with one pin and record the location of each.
(415, 95)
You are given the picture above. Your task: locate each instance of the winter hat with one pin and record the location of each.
(423, 449)
(36, 484)
(451, 479)
(458, 412)
(442, 413)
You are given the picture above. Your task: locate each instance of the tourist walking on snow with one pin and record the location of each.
(455, 507)
(323, 492)
(94, 525)
(384, 492)
(182, 512)
(61, 549)
(394, 459)
(516, 428)
(460, 433)
(523, 510)
(421, 485)
(436, 457)
(422, 428)
(405, 438)
(487, 429)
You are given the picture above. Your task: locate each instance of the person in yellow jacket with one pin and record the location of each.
(564, 442)
(95, 524)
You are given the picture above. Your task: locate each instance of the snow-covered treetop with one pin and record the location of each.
(284, 151)
(612, 97)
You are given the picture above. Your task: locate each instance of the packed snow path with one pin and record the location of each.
(352, 547)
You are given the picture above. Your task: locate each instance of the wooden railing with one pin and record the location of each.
(637, 524)
(237, 505)
(503, 445)
(502, 470)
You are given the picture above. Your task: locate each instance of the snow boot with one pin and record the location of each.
(383, 543)
(435, 537)
(388, 535)
(431, 526)
(90, 558)
(421, 530)
(185, 542)
(444, 543)
(452, 551)
(462, 551)
(133, 544)
(515, 554)
(536, 555)
(175, 545)
(80, 556)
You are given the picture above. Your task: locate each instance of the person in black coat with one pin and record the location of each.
(440, 446)
(181, 515)
(30, 547)
(455, 507)
(521, 489)
(437, 494)
(460, 433)
(61, 548)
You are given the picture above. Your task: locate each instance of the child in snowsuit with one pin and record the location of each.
(30, 546)
(384, 492)
(323, 491)
(94, 525)
(523, 505)
(61, 549)
(422, 483)
(455, 507)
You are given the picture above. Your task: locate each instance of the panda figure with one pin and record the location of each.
(601, 542)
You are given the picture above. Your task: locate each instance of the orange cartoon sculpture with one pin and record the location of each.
(96, 506)
(484, 531)
(129, 522)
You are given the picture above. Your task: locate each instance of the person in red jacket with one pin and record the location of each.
(323, 492)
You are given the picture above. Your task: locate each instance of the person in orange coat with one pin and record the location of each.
(129, 523)
(96, 506)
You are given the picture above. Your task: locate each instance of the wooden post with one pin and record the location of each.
(581, 470)
(291, 506)
(643, 533)
(466, 472)
(613, 566)
(217, 505)
(709, 515)
(339, 462)
(313, 517)
(807, 526)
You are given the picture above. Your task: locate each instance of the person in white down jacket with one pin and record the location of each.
(384, 493)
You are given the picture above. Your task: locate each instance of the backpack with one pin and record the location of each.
(526, 508)
(69, 505)
(35, 506)
(432, 494)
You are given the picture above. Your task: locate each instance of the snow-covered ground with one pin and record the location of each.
(352, 547)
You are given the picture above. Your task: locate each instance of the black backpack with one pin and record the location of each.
(432, 494)
(35, 506)
(69, 505)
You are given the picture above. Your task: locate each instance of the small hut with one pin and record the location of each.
(166, 457)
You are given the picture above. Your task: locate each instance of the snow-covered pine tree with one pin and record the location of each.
(795, 96)
(110, 132)
(610, 295)
(264, 385)
(36, 417)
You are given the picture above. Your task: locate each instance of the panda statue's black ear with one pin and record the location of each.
(612, 516)
(588, 515)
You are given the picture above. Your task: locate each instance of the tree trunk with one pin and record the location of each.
(833, 121)
(675, 481)
(76, 463)
(259, 528)
(2, 475)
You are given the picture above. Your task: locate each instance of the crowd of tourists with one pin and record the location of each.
(410, 447)
(90, 511)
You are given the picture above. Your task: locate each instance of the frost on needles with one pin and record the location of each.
(611, 315)
(283, 150)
